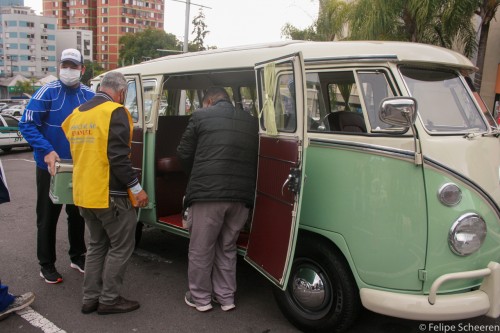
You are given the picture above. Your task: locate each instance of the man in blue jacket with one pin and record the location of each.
(41, 127)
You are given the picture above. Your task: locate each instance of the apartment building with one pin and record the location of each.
(27, 43)
(76, 39)
(108, 20)
(9, 3)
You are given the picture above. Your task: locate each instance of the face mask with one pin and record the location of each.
(69, 77)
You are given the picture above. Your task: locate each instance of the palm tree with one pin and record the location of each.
(447, 23)
(486, 10)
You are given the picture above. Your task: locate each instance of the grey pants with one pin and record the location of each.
(112, 241)
(212, 250)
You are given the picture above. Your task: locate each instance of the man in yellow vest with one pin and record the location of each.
(100, 133)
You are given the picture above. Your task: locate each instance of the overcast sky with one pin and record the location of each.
(235, 22)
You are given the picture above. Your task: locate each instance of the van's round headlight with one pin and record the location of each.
(467, 234)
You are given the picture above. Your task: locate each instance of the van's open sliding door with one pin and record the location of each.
(275, 222)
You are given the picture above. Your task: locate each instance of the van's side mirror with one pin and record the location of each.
(398, 111)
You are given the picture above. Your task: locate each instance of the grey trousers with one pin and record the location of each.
(112, 241)
(212, 250)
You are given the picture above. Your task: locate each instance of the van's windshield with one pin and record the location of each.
(444, 104)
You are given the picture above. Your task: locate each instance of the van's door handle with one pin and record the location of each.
(286, 183)
(292, 182)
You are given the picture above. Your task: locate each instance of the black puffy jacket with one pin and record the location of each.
(219, 150)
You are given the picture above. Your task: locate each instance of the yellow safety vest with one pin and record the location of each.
(87, 133)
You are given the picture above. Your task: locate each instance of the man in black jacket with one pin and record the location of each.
(219, 151)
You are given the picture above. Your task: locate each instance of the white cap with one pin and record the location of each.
(72, 55)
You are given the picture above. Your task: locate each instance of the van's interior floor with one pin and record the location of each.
(176, 221)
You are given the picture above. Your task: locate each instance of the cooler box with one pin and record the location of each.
(61, 185)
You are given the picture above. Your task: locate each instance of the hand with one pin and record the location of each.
(142, 199)
(51, 159)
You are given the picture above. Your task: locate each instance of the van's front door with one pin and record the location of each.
(279, 179)
(134, 104)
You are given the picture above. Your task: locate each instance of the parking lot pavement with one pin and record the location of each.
(156, 277)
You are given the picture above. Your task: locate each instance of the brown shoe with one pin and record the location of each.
(90, 307)
(121, 305)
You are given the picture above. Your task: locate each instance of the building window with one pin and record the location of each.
(104, 20)
(104, 10)
(55, 4)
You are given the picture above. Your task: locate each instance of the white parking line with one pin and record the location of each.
(37, 320)
(18, 159)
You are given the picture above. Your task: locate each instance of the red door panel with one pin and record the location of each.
(269, 240)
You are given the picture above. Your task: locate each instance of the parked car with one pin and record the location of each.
(10, 136)
(16, 110)
(3, 106)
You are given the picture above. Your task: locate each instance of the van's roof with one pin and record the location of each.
(247, 56)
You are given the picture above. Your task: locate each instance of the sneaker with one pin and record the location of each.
(78, 264)
(227, 307)
(50, 275)
(189, 301)
(20, 302)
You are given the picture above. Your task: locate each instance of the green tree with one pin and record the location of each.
(145, 45)
(23, 87)
(92, 69)
(447, 23)
(200, 31)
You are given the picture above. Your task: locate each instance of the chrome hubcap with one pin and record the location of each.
(308, 288)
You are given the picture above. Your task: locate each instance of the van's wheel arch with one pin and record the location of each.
(332, 308)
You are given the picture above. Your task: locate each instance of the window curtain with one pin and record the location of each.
(268, 107)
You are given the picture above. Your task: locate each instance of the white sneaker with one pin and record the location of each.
(189, 301)
(20, 302)
(223, 307)
(228, 307)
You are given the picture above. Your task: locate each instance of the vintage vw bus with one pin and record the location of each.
(378, 174)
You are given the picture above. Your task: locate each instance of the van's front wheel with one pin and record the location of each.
(321, 295)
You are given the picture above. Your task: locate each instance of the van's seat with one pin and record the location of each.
(346, 121)
(166, 165)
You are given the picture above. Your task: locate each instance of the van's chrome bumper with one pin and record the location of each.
(485, 301)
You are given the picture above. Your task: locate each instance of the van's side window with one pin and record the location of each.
(284, 104)
(149, 87)
(344, 110)
(341, 101)
(249, 100)
(131, 101)
(375, 86)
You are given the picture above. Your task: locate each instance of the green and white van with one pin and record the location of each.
(378, 176)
